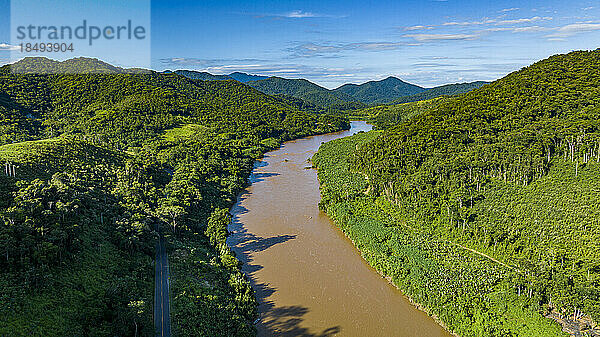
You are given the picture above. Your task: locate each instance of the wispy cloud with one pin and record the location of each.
(299, 14)
(442, 37)
(490, 21)
(6, 46)
(469, 23)
(527, 29)
(573, 29)
(314, 49)
(588, 8)
(254, 66)
(510, 9)
(198, 62)
(432, 65)
(524, 20)
(296, 14)
(418, 27)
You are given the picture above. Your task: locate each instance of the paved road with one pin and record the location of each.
(162, 322)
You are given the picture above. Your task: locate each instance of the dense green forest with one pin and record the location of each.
(95, 164)
(42, 65)
(379, 92)
(389, 115)
(484, 207)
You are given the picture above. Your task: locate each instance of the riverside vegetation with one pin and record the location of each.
(483, 208)
(94, 164)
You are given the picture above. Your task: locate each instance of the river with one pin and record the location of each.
(309, 278)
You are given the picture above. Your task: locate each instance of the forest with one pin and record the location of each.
(483, 208)
(95, 164)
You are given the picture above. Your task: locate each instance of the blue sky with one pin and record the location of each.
(425, 42)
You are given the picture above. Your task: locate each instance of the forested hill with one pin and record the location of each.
(127, 108)
(302, 89)
(509, 170)
(94, 165)
(378, 92)
(443, 90)
(42, 65)
(347, 97)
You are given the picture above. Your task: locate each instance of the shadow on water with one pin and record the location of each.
(284, 320)
(250, 243)
(244, 243)
(261, 163)
(261, 176)
(274, 321)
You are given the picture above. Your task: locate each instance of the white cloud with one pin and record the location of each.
(312, 49)
(588, 8)
(528, 29)
(299, 14)
(510, 9)
(295, 14)
(488, 21)
(442, 37)
(573, 29)
(469, 23)
(524, 20)
(375, 46)
(6, 46)
(418, 27)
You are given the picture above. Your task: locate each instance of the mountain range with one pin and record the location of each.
(390, 90)
(382, 92)
(206, 76)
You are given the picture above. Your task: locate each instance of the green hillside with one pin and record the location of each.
(125, 109)
(301, 89)
(443, 90)
(379, 92)
(42, 65)
(98, 163)
(389, 115)
(484, 209)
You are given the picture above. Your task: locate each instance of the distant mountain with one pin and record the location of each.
(444, 90)
(379, 92)
(206, 76)
(302, 89)
(79, 65)
(200, 75)
(243, 77)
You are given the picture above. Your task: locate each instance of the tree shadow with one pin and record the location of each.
(261, 163)
(287, 320)
(261, 176)
(244, 244)
(274, 321)
(252, 243)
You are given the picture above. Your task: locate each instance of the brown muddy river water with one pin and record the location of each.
(309, 278)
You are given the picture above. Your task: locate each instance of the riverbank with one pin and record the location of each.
(465, 291)
(309, 278)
